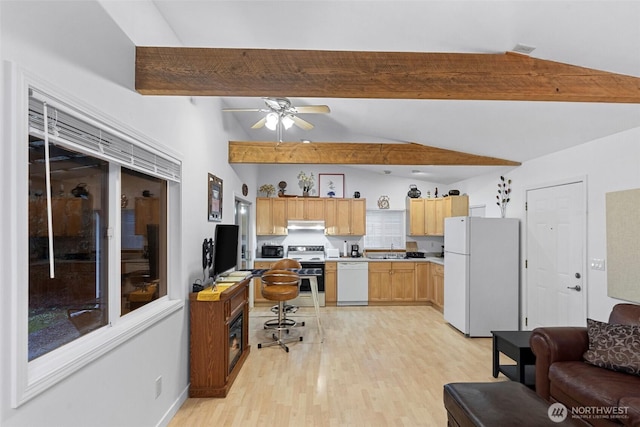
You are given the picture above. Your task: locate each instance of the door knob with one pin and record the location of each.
(575, 288)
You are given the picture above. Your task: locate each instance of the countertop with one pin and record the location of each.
(436, 260)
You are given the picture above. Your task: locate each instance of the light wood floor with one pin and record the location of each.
(377, 366)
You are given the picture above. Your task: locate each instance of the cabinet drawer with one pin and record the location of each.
(331, 266)
(403, 265)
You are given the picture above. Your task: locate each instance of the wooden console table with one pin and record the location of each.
(219, 340)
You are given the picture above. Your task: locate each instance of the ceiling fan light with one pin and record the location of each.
(272, 121)
(287, 122)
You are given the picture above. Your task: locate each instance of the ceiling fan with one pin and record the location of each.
(280, 112)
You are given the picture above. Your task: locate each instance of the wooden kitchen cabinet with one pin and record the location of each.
(271, 216)
(147, 211)
(305, 208)
(451, 206)
(423, 281)
(435, 217)
(257, 283)
(69, 215)
(330, 283)
(426, 216)
(392, 281)
(346, 217)
(379, 281)
(437, 281)
(416, 217)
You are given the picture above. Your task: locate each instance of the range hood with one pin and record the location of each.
(305, 225)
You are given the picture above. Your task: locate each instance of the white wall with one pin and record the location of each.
(609, 164)
(370, 185)
(92, 61)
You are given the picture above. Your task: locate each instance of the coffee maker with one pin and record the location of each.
(355, 251)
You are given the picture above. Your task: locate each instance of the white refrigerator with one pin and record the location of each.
(481, 274)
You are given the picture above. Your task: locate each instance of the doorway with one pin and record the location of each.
(555, 255)
(243, 221)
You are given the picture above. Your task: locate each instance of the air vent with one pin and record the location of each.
(524, 49)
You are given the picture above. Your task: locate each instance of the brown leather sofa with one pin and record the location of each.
(563, 376)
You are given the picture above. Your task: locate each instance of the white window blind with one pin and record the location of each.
(71, 127)
(385, 229)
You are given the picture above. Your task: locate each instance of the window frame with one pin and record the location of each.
(30, 378)
(377, 217)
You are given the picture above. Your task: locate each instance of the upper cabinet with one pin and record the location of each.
(147, 211)
(426, 216)
(69, 216)
(271, 216)
(342, 217)
(346, 217)
(305, 208)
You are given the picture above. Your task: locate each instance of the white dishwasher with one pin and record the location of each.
(353, 283)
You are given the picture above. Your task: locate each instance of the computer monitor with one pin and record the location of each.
(225, 250)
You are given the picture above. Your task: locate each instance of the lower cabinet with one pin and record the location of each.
(392, 281)
(257, 283)
(404, 282)
(437, 281)
(423, 282)
(330, 283)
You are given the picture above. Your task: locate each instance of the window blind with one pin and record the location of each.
(385, 229)
(69, 126)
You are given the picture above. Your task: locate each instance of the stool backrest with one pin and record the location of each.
(280, 277)
(286, 263)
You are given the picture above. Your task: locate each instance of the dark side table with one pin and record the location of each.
(514, 344)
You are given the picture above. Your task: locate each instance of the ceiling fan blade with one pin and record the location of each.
(241, 109)
(303, 124)
(260, 123)
(317, 109)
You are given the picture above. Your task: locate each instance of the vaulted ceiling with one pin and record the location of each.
(599, 35)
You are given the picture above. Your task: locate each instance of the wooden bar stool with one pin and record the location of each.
(284, 264)
(280, 286)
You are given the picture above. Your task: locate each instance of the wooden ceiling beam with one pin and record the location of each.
(385, 75)
(356, 153)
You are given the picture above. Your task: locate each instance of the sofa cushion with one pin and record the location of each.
(615, 347)
(578, 383)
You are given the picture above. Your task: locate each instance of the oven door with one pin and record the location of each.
(305, 286)
(305, 299)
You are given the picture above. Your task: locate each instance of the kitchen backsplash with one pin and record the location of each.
(305, 237)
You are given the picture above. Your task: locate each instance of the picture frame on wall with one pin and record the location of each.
(215, 198)
(331, 185)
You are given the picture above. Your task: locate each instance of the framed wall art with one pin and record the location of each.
(331, 185)
(215, 198)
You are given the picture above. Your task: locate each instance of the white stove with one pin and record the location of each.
(309, 257)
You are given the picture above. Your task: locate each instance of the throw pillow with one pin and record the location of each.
(615, 347)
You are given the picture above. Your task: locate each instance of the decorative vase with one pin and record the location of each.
(414, 193)
(305, 194)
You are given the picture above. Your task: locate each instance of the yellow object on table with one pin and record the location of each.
(211, 294)
(144, 294)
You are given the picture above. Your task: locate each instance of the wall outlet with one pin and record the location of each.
(158, 386)
(597, 264)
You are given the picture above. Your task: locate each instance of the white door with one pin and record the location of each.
(555, 256)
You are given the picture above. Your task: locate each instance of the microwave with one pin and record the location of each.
(272, 251)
